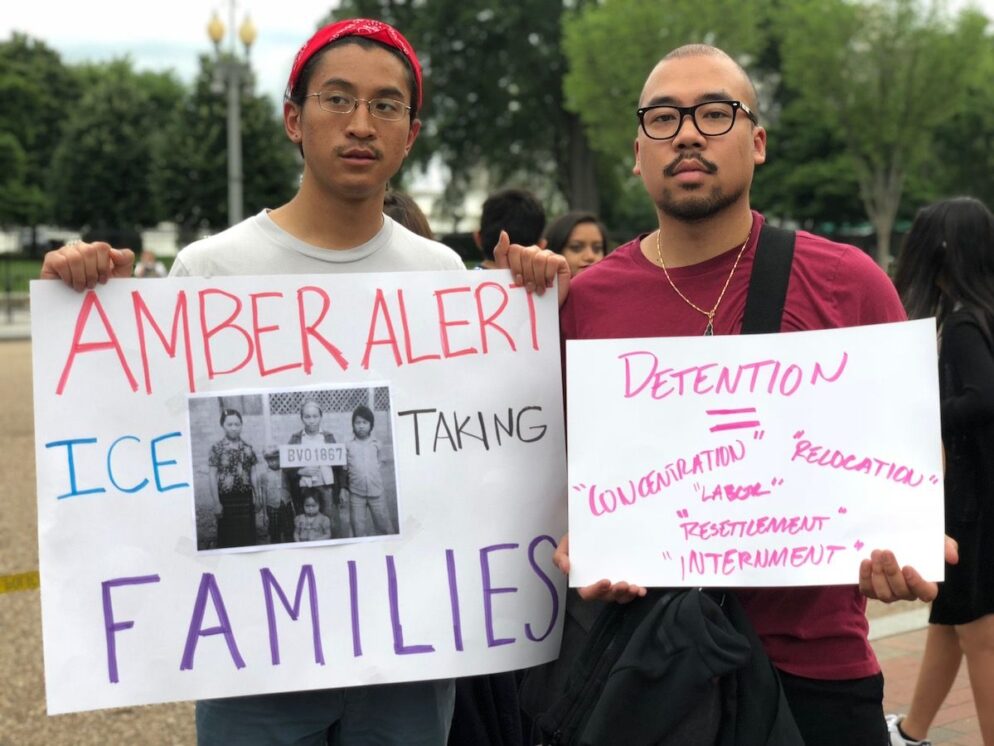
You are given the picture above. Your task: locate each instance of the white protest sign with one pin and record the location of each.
(155, 404)
(762, 460)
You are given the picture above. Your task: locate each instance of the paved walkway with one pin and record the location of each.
(15, 325)
(900, 656)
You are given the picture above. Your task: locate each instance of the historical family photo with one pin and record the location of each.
(292, 466)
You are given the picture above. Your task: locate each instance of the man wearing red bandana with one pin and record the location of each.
(351, 107)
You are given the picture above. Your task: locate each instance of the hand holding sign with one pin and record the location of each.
(602, 590)
(533, 267)
(82, 265)
(883, 579)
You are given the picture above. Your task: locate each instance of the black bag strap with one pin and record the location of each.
(768, 281)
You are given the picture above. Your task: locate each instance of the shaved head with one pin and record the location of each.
(706, 50)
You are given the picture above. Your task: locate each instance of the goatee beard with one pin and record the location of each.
(696, 209)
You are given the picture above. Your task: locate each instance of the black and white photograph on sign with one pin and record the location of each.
(285, 467)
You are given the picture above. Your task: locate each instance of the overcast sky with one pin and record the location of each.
(170, 34)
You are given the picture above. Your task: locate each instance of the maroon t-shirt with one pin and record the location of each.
(817, 632)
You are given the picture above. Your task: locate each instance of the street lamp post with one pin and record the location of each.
(231, 71)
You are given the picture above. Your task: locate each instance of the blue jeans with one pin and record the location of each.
(416, 713)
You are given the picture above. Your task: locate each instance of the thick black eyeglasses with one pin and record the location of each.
(711, 118)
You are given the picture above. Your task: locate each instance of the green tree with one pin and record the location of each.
(36, 93)
(191, 157)
(809, 175)
(874, 72)
(100, 175)
(494, 92)
(612, 46)
(964, 142)
(20, 201)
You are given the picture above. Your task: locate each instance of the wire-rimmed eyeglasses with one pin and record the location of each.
(711, 118)
(337, 102)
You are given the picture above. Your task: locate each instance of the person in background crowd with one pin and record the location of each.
(946, 270)
(578, 236)
(402, 208)
(149, 265)
(514, 211)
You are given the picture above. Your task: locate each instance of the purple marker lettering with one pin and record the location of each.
(450, 566)
(398, 629)
(553, 591)
(354, 606)
(269, 583)
(111, 627)
(208, 586)
(489, 590)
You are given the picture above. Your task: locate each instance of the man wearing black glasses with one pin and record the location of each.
(697, 144)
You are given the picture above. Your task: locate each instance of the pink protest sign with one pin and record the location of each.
(765, 460)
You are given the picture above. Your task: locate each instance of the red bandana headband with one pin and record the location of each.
(376, 30)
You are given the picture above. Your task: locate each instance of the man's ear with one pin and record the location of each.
(477, 241)
(637, 167)
(759, 145)
(412, 135)
(542, 243)
(291, 121)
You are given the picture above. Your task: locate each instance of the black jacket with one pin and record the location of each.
(675, 667)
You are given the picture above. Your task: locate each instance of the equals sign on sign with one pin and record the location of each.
(740, 418)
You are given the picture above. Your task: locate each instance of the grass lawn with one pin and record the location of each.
(17, 272)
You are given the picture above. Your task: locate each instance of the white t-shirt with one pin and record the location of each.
(257, 246)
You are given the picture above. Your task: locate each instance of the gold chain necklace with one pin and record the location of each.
(709, 329)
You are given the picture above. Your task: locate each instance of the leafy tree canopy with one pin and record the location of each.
(190, 163)
(494, 94)
(37, 91)
(875, 73)
(101, 167)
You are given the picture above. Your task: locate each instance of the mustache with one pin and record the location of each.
(670, 169)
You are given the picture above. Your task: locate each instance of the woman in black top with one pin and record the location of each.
(946, 270)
